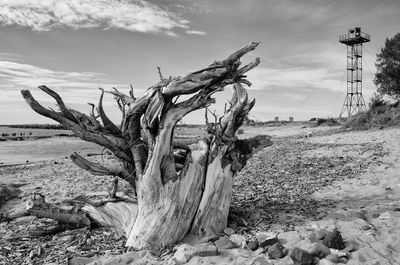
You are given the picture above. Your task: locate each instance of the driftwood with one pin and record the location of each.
(74, 216)
(182, 186)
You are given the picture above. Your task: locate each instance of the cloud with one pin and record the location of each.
(74, 87)
(26, 75)
(135, 16)
(195, 32)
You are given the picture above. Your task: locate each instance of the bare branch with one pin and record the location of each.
(236, 55)
(102, 170)
(114, 144)
(127, 99)
(108, 124)
(159, 73)
(131, 91)
(92, 111)
(59, 101)
(229, 122)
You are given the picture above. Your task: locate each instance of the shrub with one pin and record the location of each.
(380, 114)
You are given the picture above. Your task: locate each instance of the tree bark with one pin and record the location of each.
(181, 186)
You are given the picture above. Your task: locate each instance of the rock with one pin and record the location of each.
(325, 262)
(289, 239)
(334, 240)
(332, 257)
(277, 251)
(320, 234)
(223, 243)
(261, 260)
(306, 245)
(266, 239)
(207, 249)
(184, 253)
(320, 250)
(229, 231)
(237, 240)
(252, 245)
(301, 257)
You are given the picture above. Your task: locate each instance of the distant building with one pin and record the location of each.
(291, 119)
(276, 118)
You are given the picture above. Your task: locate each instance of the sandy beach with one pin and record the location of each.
(369, 195)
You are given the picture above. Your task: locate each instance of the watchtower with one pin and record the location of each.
(354, 101)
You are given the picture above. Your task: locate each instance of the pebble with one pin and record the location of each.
(339, 253)
(333, 258)
(320, 250)
(334, 240)
(207, 249)
(276, 251)
(229, 231)
(252, 245)
(237, 240)
(301, 257)
(184, 253)
(320, 234)
(266, 239)
(223, 243)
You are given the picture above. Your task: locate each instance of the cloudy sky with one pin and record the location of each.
(76, 46)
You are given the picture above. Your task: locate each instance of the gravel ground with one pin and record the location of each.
(274, 189)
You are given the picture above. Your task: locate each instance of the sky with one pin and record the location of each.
(77, 46)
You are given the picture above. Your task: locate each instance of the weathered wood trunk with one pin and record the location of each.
(181, 186)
